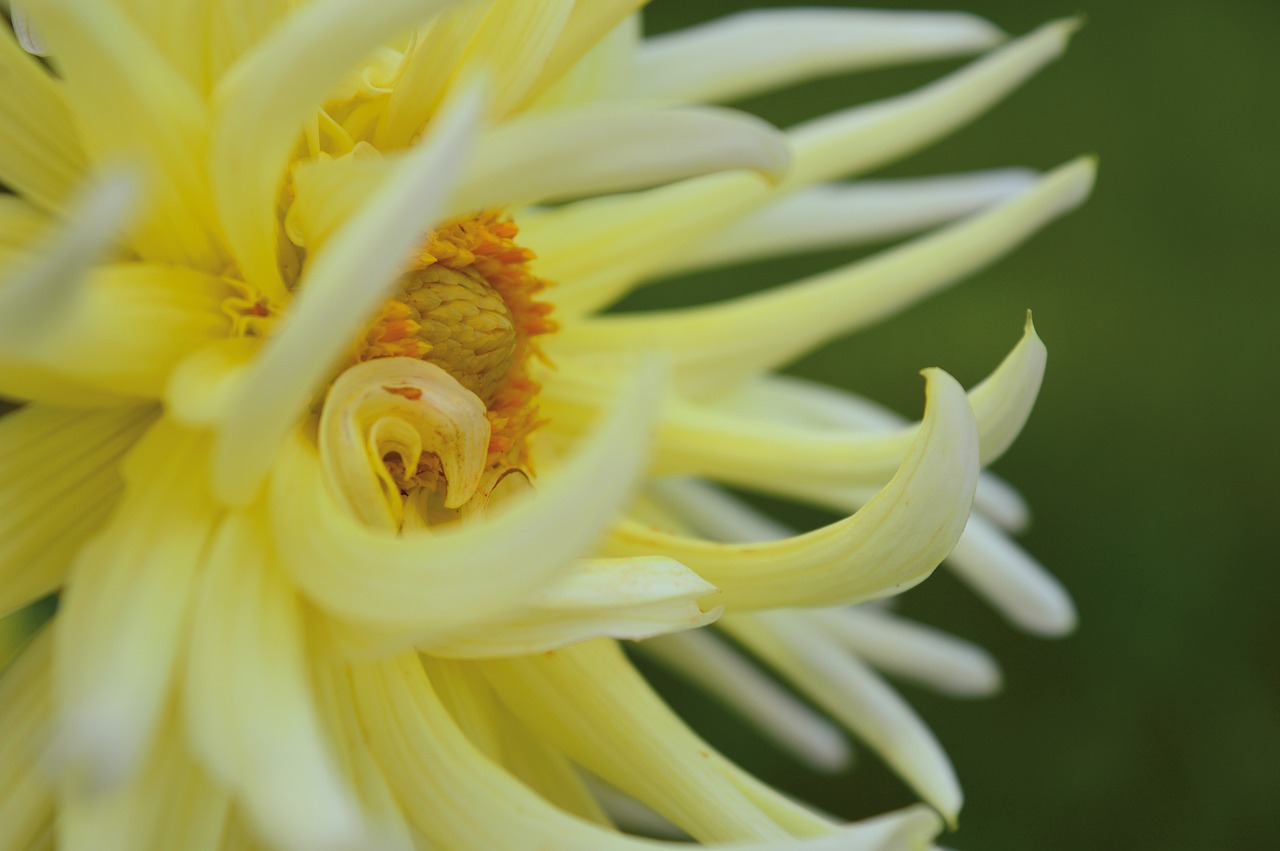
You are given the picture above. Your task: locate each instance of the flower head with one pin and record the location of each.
(351, 486)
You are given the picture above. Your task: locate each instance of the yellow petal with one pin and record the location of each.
(717, 345)
(250, 712)
(891, 543)
(588, 25)
(21, 222)
(60, 483)
(589, 703)
(261, 104)
(113, 673)
(40, 154)
(751, 52)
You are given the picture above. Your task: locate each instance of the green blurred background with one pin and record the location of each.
(1150, 461)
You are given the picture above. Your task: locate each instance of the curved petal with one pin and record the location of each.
(714, 668)
(633, 598)
(716, 345)
(589, 25)
(851, 692)
(427, 586)
(59, 485)
(751, 52)
(250, 713)
(891, 543)
(263, 101)
(342, 287)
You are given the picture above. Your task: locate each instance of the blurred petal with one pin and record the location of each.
(27, 805)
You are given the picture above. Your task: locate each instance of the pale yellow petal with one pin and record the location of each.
(113, 673)
(427, 586)
(22, 223)
(343, 285)
(41, 157)
(603, 74)
(131, 106)
(588, 25)
(716, 345)
(599, 249)
(838, 215)
(58, 483)
(852, 693)
(633, 598)
(744, 54)
(891, 543)
(256, 126)
(250, 711)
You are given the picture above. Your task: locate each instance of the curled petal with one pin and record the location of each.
(409, 409)
(751, 52)
(428, 586)
(891, 543)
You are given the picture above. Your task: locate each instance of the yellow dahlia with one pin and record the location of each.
(351, 487)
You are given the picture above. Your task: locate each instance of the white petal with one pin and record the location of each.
(743, 54)
(907, 649)
(1012, 581)
(343, 285)
(713, 667)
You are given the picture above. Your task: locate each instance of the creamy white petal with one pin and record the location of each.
(714, 668)
(911, 650)
(599, 249)
(60, 484)
(428, 586)
(715, 345)
(250, 713)
(255, 126)
(343, 285)
(852, 693)
(1012, 581)
(715, 514)
(113, 673)
(890, 544)
(837, 215)
(751, 52)
(633, 598)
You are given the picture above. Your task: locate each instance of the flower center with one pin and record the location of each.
(468, 307)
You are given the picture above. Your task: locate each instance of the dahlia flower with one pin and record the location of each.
(352, 488)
